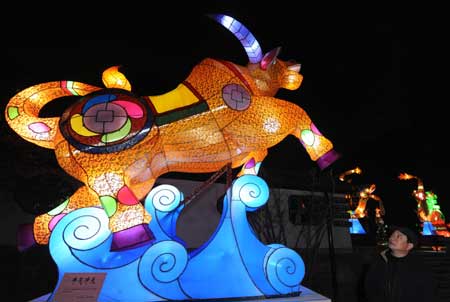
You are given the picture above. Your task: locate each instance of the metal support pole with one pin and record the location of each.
(225, 169)
(331, 239)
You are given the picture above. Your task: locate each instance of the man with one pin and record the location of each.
(397, 275)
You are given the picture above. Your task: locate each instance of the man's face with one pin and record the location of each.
(399, 242)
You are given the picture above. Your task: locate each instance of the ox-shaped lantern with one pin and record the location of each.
(118, 143)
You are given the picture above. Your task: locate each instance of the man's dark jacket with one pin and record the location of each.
(406, 279)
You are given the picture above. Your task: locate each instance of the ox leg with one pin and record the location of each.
(129, 221)
(39, 232)
(252, 163)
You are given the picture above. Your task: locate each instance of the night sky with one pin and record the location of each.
(372, 77)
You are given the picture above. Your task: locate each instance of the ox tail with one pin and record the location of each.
(22, 111)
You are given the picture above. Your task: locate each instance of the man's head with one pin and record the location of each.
(402, 240)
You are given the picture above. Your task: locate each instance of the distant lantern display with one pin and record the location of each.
(428, 209)
(118, 143)
(358, 209)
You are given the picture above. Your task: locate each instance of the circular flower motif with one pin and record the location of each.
(236, 97)
(106, 118)
(107, 121)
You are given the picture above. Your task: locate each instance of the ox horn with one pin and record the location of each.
(251, 45)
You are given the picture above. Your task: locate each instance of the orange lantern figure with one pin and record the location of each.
(428, 210)
(118, 143)
(363, 195)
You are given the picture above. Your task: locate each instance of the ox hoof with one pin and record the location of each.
(133, 237)
(327, 159)
(25, 237)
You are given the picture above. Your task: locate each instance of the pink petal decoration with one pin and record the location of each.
(315, 130)
(250, 164)
(133, 110)
(39, 127)
(55, 220)
(126, 197)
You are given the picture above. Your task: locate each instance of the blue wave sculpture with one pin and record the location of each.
(233, 263)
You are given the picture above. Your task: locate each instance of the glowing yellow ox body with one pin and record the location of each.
(118, 144)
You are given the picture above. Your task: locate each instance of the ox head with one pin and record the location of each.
(268, 71)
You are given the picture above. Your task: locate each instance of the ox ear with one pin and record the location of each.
(269, 58)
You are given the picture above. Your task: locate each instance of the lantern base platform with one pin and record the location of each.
(307, 295)
(163, 270)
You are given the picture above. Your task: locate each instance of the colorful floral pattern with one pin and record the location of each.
(106, 122)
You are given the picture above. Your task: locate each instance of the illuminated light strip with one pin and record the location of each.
(180, 97)
(176, 115)
(193, 90)
(68, 87)
(238, 74)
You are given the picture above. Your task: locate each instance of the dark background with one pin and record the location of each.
(373, 82)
